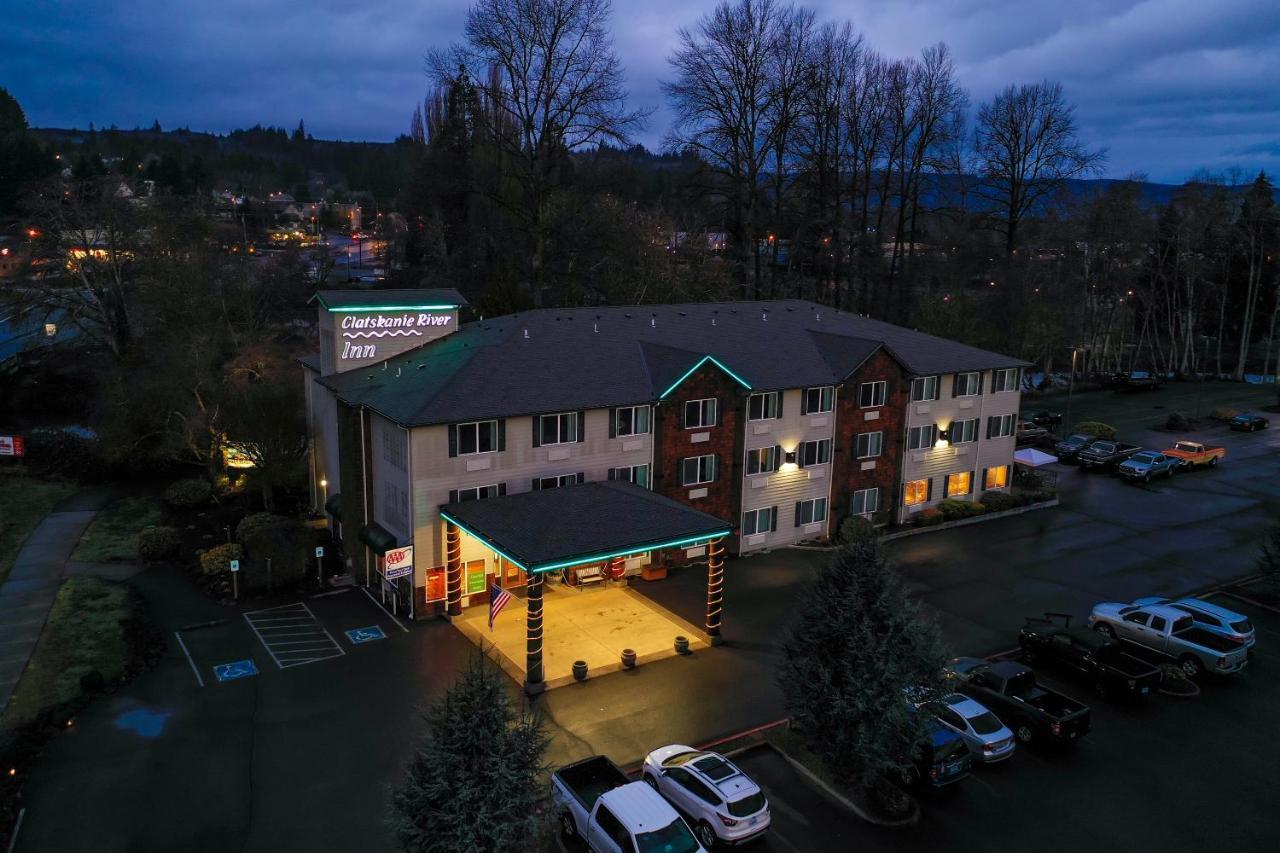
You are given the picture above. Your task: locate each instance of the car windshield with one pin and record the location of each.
(1079, 439)
(1186, 447)
(1144, 458)
(985, 723)
(747, 806)
(675, 837)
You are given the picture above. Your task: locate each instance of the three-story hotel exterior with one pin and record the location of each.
(622, 439)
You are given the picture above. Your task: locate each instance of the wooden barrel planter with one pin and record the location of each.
(628, 658)
(580, 670)
(682, 645)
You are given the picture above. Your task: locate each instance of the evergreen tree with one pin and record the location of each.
(857, 648)
(1269, 559)
(23, 159)
(473, 785)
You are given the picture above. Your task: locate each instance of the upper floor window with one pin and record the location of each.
(868, 445)
(477, 493)
(556, 482)
(814, 452)
(562, 428)
(922, 437)
(763, 460)
(631, 420)
(924, 388)
(967, 385)
(872, 394)
(698, 469)
(963, 432)
(475, 437)
(864, 502)
(700, 413)
(1004, 380)
(820, 399)
(807, 512)
(763, 407)
(1000, 426)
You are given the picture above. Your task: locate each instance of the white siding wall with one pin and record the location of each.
(322, 411)
(388, 452)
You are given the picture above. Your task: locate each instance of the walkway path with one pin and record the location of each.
(27, 595)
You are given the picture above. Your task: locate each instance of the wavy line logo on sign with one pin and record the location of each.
(361, 333)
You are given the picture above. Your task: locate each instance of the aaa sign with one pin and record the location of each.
(399, 563)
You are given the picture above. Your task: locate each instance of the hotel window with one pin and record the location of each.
(872, 394)
(924, 388)
(1000, 426)
(760, 520)
(763, 460)
(815, 452)
(996, 478)
(763, 407)
(967, 385)
(477, 437)
(638, 474)
(868, 445)
(864, 502)
(922, 437)
(540, 483)
(963, 432)
(562, 428)
(807, 512)
(817, 400)
(478, 493)
(700, 413)
(698, 469)
(960, 484)
(631, 420)
(916, 492)
(1004, 380)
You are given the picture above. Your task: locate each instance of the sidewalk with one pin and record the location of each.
(28, 593)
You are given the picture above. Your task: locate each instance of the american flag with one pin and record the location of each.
(498, 598)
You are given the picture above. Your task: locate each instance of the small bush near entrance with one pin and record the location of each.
(1177, 422)
(1097, 429)
(929, 516)
(188, 494)
(1000, 501)
(855, 528)
(286, 542)
(473, 782)
(953, 509)
(256, 521)
(158, 543)
(218, 559)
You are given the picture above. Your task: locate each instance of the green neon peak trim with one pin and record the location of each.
(367, 309)
(640, 549)
(701, 362)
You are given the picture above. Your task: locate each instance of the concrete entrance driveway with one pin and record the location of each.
(592, 624)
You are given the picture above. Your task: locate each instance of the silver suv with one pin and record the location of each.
(723, 805)
(1234, 626)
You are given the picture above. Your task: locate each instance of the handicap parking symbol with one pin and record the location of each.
(365, 635)
(235, 669)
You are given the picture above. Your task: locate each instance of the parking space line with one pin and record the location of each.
(292, 635)
(384, 610)
(190, 660)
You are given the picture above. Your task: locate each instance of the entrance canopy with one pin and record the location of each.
(553, 529)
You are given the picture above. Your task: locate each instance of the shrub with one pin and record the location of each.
(1000, 501)
(1224, 413)
(1038, 496)
(188, 494)
(1269, 560)
(66, 451)
(953, 509)
(256, 521)
(1097, 429)
(218, 558)
(929, 517)
(287, 543)
(158, 543)
(1177, 422)
(855, 528)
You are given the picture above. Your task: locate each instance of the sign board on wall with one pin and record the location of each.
(399, 563)
(12, 445)
(363, 334)
(475, 577)
(435, 584)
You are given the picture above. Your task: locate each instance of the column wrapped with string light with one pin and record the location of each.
(453, 569)
(715, 589)
(533, 681)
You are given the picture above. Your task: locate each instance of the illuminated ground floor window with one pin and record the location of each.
(997, 478)
(915, 492)
(959, 484)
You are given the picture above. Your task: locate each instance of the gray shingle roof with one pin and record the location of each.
(574, 523)
(556, 360)
(385, 298)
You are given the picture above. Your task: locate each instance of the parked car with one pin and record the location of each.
(1193, 454)
(1171, 634)
(720, 801)
(943, 758)
(1030, 709)
(1249, 422)
(612, 815)
(1103, 662)
(1146, 464)
(1236, 627)
(1069, 447)
(1137, 380)
(1105, 455)
(1045, 418)
(1029, 432)
(989, 740)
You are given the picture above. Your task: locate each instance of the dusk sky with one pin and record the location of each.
(1168, 86)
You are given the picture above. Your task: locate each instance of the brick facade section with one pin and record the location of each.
(847, 473)
(672, 444)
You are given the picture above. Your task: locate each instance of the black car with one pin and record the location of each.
(1248, 422)
(1072, 445)
(1101, 661)
(1044, 418)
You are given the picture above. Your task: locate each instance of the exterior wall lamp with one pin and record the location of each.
(944, 439)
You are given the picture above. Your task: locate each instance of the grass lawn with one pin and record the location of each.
(114, 532)
(24, 502)
(85, 631)
(1144, 409)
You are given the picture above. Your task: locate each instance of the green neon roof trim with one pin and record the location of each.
(578, 561)
(701, 362)
(487, 543)
(365, 309)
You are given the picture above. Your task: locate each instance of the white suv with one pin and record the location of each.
(723, 805)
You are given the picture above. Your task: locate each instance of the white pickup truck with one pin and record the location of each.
(612, 815)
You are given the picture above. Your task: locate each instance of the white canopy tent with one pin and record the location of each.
(1032, 458)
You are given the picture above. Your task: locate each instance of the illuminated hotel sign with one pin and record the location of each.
(362, 335)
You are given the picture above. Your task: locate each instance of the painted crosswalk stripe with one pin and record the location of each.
(292, 635)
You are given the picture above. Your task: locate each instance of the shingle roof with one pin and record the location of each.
(581, 523)
(387, 298)
(555, 360)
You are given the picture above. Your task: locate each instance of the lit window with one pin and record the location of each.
(700, 413)
(868, 445)
(924, 388)
(915, 492)
(1004, 380)
(632, 420)
(763, 407)
(864, 502)
(810, 511)
(759, 520)
(815, 452)
(922, 437)
(997, 478)
(763, 460)
(959, 484)
(967, 385)
(871, 394)
(697, 469)
(820, 399)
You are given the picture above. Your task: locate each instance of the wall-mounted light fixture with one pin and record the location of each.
(944, 438)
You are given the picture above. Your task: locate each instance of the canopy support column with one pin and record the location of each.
(453, 569)
(715, 589)
(533, 681)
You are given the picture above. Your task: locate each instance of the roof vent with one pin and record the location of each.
(384, 365)
(526, 334)
(397, 373)
(764, 314)
(713, 321)
(653, 320)
(628, 316)
(595, 327)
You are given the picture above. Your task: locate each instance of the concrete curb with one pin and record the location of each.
(844, 801)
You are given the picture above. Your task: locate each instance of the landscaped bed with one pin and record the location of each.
(24, 502)
(113, 535)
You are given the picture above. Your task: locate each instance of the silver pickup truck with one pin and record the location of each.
(1170, 633)
(613, 815)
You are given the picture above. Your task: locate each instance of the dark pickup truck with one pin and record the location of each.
(1101, 661)
(1105, 455)
(1010, 690)
(1070, 447)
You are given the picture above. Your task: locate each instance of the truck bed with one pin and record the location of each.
(587, 779)
(1056, 705)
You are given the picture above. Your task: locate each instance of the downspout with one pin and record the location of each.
(413, 527)
(364, 494)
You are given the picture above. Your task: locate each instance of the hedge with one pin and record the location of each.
(188, 494)
(1097, 429)
(158, 543)
(257, 521)
(218, 558)
(855, 528)
(953, 509)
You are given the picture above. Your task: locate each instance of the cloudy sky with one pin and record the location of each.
(1168, 86)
